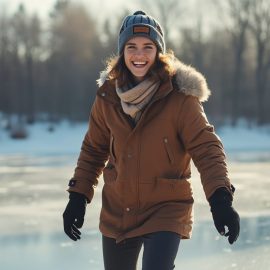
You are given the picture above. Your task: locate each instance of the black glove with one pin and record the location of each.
(224, 214)
(73, 215)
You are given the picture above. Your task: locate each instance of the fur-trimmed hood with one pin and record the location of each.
(187, 80)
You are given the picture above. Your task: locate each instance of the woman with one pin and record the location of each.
(147, 122)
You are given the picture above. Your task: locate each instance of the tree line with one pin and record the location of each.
(48, 70)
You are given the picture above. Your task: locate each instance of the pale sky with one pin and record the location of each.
(42, 7)
(104, 7)
(114, 8)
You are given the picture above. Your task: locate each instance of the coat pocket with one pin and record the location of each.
(168, 150)
(112, 153)
(166, 190)
(175, 188)
(109, 174)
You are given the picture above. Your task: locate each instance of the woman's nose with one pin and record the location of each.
(139, 52)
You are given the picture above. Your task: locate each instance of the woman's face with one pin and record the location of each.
(140, 54)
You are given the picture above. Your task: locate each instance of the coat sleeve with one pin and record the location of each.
(204, 146)
(93, 155)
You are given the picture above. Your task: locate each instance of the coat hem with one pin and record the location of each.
(184, 230)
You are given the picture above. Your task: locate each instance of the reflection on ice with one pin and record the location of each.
(66, 244)
(254, 232)
(55, 251)
(32, 198)
(250, 156)
(17, 161)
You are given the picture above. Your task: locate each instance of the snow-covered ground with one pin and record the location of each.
(34, 175)
(67, 139)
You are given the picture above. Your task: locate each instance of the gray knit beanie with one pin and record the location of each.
(140, 24)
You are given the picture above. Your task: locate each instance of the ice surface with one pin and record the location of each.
(34, 175)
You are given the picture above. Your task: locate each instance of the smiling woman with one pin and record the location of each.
(146, 124)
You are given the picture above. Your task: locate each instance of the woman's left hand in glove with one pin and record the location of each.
(224, 214)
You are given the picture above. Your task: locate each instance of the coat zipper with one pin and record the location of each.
(139, 149)
(138, 179)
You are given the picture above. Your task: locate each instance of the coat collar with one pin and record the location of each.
(186, 79)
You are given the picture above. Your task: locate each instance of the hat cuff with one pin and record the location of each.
(128, 33)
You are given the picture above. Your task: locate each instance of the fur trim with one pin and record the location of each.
(191, 82)
(103, 77)
(188, 81)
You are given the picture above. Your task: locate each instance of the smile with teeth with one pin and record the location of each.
(139, 63)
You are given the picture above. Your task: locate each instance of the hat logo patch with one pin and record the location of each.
(141, 29)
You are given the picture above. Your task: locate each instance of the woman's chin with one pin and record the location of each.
(139, 75)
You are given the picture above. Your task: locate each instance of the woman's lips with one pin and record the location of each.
(139, 64)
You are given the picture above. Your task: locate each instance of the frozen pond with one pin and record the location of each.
(33, 197)
(205, 250)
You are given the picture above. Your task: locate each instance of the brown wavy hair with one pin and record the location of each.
(163, 68)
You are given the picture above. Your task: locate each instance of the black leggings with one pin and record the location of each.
(160, 250)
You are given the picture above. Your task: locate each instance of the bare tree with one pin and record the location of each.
(110, 32)
(18, 37)
(217, 65)
(168, 13)
(260, 28)
(18, 92)
(25, 38)
(239, 14)
(236, 22)
(4, 63)
(74, 51)
(193, 45)
(32, 50)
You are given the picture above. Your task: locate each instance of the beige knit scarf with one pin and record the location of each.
(133, 100)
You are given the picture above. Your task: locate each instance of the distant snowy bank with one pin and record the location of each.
(245, 138)
(66, 139)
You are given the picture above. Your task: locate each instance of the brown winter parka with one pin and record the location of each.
(147, 177)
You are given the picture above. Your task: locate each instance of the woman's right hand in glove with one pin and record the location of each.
(73, 215)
